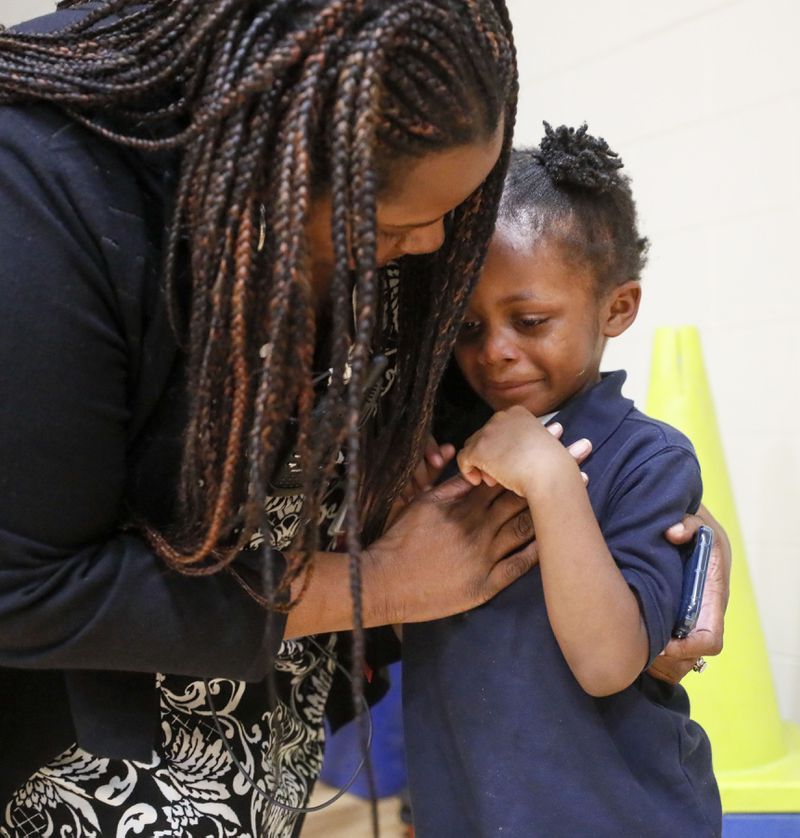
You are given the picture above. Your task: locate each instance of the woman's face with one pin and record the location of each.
(411, 212)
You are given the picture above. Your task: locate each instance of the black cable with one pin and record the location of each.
(301, 810)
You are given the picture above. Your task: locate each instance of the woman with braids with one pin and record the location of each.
(237, 238)
(195, 201)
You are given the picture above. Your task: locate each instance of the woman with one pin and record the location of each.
(196, 201)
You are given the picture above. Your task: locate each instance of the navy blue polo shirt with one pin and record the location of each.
(502, 740)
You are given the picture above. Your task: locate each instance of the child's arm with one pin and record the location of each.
(594, 614)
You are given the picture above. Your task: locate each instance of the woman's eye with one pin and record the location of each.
(468, 329)
(531, 322)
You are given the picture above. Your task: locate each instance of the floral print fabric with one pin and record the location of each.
(192, 787)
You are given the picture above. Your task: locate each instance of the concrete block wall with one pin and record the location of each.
(702, 100)
(13, 11)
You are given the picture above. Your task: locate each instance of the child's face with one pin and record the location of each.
(535, 328)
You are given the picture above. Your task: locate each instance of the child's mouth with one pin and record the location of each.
(507, 386)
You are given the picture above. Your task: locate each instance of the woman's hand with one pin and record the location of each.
(706, 639)
(453, 548)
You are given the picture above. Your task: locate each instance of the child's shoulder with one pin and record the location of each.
(646, 464)
(649, 458)
(618, 429)
(655, 433)
(631, 449)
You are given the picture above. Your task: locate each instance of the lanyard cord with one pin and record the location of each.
(265, 795)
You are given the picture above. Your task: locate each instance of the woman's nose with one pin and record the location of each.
(425, 239)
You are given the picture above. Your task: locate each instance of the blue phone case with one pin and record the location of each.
(694, 580)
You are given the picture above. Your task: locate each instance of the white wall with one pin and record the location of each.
(14, 11)
(702, 100)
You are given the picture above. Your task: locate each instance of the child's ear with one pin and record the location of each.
(621, 307)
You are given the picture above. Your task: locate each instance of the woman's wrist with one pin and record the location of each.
(327, 603)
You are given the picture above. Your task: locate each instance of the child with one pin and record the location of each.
(532, 715)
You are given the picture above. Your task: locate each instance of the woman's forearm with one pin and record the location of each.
(327, 604)
(452, 549)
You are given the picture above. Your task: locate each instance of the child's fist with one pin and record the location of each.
(514, 449)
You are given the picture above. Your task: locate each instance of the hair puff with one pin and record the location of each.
(573, 157)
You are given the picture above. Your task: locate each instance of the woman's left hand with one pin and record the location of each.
(681, 656)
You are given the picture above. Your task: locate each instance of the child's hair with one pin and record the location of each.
(571, 188)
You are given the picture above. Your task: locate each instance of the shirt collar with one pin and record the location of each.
(595, 413)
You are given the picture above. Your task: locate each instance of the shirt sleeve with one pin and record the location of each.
(75, 591)
(649, 500)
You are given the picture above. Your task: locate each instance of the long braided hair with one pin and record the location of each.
(269, 105)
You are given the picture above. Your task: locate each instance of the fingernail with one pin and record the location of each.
(677, 528)
(580, 447)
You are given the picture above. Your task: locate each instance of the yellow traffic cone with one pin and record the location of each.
(756, 755)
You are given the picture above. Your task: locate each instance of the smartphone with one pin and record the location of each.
(694, 581)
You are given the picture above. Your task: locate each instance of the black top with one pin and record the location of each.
(89, 427)
(92, 409)
(91, 412)
(502, 740)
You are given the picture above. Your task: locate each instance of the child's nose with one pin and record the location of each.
(497, 348)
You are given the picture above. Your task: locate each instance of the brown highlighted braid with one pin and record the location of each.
(270, 104)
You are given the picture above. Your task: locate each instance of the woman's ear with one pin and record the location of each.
(621, 307)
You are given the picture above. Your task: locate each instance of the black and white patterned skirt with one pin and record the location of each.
(192, 789)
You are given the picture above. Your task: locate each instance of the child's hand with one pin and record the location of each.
(432, 464)
(428, 469)
(513, 448)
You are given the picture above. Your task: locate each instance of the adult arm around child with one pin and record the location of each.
(705, 640)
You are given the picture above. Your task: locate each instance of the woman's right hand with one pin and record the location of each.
(682, 656)
(453, 548)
